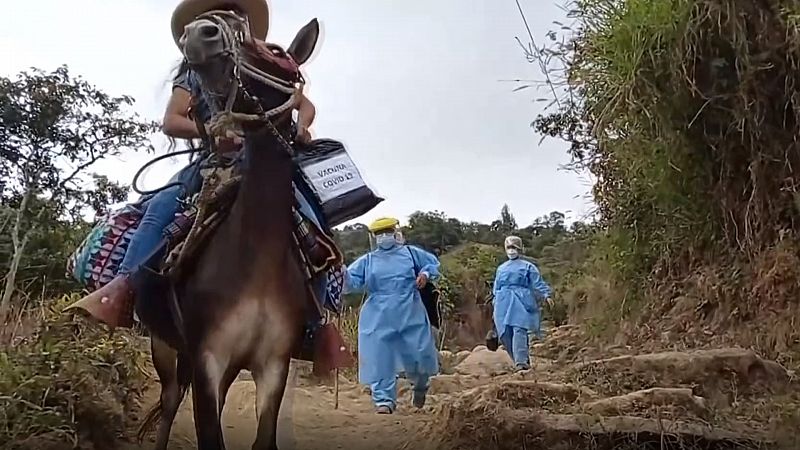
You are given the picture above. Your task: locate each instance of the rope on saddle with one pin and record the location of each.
(227, 123)
(210, 183)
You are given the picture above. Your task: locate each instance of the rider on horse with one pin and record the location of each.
(113, 303)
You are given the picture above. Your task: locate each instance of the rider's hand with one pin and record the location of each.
(549, 302)
(422, 280)
(226, 145)
(303, 136)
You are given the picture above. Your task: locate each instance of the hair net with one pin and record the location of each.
(513, 242)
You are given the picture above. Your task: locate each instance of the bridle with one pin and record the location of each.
(235, 36)
(226, 121)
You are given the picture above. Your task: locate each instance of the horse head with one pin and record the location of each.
(241, 75)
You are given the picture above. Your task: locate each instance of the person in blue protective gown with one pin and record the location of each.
(394, 333)
(518, 292)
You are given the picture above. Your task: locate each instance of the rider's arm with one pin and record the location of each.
(177, 123)
(306, 112)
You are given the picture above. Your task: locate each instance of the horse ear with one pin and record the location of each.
(303, 44)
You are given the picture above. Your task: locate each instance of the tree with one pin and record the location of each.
(433, 230)
(506, 224)
(353, 240)
(53, 129)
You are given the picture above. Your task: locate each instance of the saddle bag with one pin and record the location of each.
(336, 181)
(492, 341)
(430, 297)
(96, 260)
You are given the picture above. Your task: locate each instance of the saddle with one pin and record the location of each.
(315, 248)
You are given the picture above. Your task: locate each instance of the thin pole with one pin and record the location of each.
(336, 372)
(339, 326)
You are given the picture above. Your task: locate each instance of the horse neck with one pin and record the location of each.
(265, 199)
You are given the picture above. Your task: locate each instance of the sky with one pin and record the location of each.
(413, 89)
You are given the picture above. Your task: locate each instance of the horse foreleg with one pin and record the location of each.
(270, 382)
(208, 394)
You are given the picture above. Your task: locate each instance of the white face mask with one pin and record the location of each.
(512, 253)
(385, 241)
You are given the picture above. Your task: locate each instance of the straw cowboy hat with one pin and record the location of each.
(187, 10)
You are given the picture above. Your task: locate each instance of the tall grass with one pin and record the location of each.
(65, 381)
(687, 113)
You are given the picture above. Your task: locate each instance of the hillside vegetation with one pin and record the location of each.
(687, 114)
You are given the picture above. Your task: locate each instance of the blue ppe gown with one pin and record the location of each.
(394, 333)
(517, 287)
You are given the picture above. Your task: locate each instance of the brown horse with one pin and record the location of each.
(244, 301)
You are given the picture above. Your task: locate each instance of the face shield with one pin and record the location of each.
(385, 239)
(383, 231)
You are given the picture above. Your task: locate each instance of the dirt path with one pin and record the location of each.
(575, 397)
(308, 420)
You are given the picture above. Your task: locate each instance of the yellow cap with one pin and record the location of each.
(384, 223)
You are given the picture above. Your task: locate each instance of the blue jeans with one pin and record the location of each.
(384, 392)
(515, 340)
(159, 211)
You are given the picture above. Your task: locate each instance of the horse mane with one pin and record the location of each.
(272, 59)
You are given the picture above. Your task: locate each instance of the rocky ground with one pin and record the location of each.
(574, 397)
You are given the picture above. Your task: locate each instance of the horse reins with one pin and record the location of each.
(134, 184)
(233, 39)
(226, 121)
